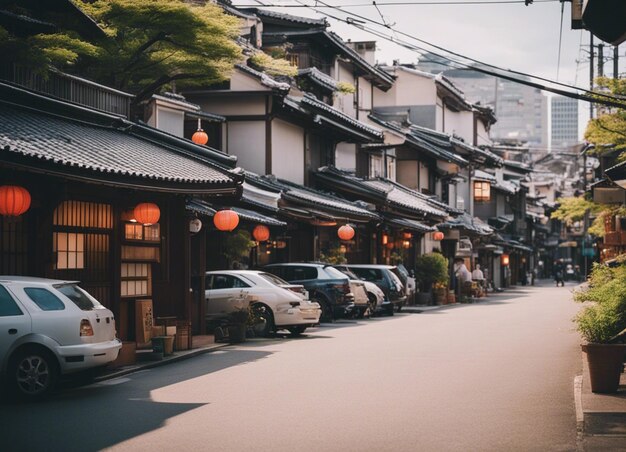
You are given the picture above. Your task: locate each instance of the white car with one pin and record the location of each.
(49, 328)
(276, 304)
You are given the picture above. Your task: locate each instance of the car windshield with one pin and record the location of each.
(273, 279)
(348, 273)
(79, 297)
(333, 273)
(403, 271)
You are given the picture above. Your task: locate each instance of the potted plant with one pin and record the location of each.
(431, 271)
(602, 324)
(233, 329)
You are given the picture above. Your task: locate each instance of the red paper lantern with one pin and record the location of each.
(14, 200)
(390, 245)
(200, 137)
(261, 233)
(438, 236)
(147, 213)
(226, 220)
(345, 232)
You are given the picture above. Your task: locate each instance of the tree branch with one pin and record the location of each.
(602, 126)
(149, 90)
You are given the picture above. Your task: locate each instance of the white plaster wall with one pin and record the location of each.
(408, 89)
(246, 139)
(461, 124)
(423, 169)
(171, 121)
(240, 81)
(407, 173)
(483, 135)
(287, 151)
(233, 105)
(345, 102)
(439, 121)
(365, 97)
(345, 156)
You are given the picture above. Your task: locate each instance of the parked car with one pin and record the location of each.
(275, 303)
(326, 285)
(376, 300)
(50, 328)
(387, 278)
(409, 282)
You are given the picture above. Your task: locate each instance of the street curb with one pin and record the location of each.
(164, 362)
(578, 401)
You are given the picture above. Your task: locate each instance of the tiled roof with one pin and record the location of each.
(287, 17)
(311, 101)
(405, 197)
(407, 223)
(321, 200)
(468, 223)
(203, 208)
(318, 77)
(100, 143)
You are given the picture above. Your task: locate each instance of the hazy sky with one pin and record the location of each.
(515, 36)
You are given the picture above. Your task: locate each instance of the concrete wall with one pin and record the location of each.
(247, 138)
(408, 89)
(461, 124)
(287, 151)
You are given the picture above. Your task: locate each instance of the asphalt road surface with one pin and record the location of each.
(491, 376)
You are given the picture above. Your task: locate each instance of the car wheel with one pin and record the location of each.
(327, 312)
(263, 320)
(33, 373)
(296, 330)
(371, 304)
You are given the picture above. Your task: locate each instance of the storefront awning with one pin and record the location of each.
(406, 223)
(203, 208)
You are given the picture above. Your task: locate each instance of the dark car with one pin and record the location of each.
(387, 277)
(326, 285)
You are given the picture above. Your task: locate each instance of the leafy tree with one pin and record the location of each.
(609, 128)
(153, 43)
(61, 50)
(573, 209)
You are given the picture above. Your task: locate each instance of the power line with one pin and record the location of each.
(354, 22)
(411, 3)
(558, 61)
(611, 101)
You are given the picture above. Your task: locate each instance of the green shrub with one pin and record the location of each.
(606, 317)
(431, 269)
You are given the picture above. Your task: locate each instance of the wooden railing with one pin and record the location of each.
(70, 88)
(615, 238)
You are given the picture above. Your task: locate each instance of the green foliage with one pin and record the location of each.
(346, 88)
(573, 209)
(609, 128)
(606, 317)
(335, 256)
(61, 50)
(273, 66)
(156, 42)
(237, 245)
(597, 227)
(431, 269)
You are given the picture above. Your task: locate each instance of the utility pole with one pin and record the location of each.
(591, 53)
(600, 60)
(616, 62)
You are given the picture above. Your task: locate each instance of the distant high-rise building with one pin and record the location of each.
(521, 110)
(564, 116)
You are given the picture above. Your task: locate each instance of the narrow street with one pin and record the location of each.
(492, 376)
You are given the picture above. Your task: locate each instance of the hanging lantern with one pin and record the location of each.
(200, 136)
(261, 233)
(504, 259)
(226, 220)
(195, 225)
(390, 245)
(345, 232)
(147, 213)
(14, 200)
(385, 239)
(438, 236)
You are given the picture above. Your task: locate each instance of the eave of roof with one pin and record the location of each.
(283, 17)
(203, 208)
(319, 78)
(48, 134)
(378, 77)
(265, 79)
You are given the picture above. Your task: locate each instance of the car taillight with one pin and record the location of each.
(344, 288)
(85, 328)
